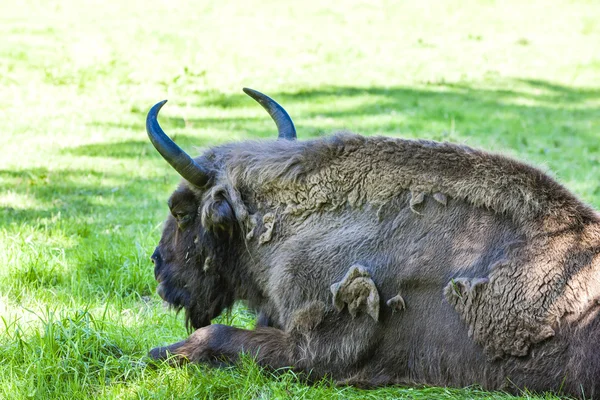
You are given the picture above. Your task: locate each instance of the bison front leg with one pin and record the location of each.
(270, 347)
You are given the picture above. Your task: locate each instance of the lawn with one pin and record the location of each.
(83, 193)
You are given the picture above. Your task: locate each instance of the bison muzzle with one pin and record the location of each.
(376, 261)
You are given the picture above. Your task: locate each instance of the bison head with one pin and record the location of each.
(196, 253)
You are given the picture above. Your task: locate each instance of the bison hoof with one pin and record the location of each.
(168, 353)
(159, 353)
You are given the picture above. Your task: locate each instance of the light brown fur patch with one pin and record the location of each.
(416, 199)
(396, 303)
(358, 291)
(269, 224)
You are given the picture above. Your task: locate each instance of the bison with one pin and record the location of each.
(377, 261)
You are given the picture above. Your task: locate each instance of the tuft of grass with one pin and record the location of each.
(83, 193)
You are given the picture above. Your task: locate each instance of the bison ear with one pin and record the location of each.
(217, 214)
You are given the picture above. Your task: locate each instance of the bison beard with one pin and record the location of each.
(380, 261)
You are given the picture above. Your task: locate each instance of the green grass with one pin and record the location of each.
(83, 193)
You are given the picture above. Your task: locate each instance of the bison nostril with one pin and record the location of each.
(157, 260)
(155, 257)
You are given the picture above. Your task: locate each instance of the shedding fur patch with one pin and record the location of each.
(252, 224)
(416, 199)
(396, 303)
(358, 291)
(490, 322)
(464, 289)
(269, 224)
(440, 198)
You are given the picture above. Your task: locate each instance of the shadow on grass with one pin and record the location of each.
(563, 93)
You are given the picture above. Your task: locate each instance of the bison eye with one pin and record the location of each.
(183, 218)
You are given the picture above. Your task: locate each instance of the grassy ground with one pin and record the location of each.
(83, 193)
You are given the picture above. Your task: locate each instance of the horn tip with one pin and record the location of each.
(155, 109)
(255, 94)
(261, 98)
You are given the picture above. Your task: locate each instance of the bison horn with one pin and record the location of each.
(284, 123)
(179, 159)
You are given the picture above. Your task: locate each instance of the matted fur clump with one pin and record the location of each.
(380, 261)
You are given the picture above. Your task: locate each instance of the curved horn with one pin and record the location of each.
(179, 159)
(284, 123)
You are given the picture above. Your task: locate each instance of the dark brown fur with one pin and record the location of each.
(496, 262)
